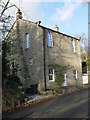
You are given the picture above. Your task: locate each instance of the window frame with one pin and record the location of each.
(10, 47)
(64, 80)
(31, 61)
(75, 74)
(84, 68)
(52, 75)
(49, 39)
(13, 68)
(73, 46)
(27, 40)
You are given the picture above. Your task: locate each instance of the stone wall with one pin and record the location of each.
(61, 53)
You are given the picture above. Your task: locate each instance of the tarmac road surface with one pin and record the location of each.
(74, 105)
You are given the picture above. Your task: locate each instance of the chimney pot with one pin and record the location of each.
(56, 28)
(19, 14)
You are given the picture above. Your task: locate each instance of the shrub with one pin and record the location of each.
(13, 93)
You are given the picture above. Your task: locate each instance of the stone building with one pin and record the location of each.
(37, 54)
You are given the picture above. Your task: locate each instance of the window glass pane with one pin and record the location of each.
(31, 61)
(75, 74)
(49, 38)
(64, 80)
(10, 47)
(73, 46)
(50, 77)
(84, 68)
(50, 71)
(27, 41)
(64, 77)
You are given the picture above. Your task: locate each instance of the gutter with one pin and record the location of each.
(60, 33)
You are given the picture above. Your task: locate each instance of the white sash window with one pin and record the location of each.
(51, 74)
(49, 38)
(64, 80)
(75, 74)
(27, 41)
(73, 46)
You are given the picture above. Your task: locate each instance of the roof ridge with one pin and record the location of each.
(44, 28)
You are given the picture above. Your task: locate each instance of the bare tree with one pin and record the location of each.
(84, 46)
(5, 20)
(4, 6)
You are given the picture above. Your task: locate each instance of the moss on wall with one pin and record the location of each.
(60, 70)
(88, 65)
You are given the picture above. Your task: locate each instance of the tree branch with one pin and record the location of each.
(12, 6)
(5, 7)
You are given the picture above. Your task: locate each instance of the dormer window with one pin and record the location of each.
(49, 38)
(26, 41)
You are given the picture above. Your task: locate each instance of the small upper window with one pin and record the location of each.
(27, 41)
(75, 74)
(49, 38)
(14, 68)
(10, 47)
(31, 61)
(73, 46)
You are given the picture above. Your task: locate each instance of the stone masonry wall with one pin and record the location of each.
(61, 53)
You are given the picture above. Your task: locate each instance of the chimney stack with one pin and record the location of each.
(19, 14)
(38, 23)
(56, 28)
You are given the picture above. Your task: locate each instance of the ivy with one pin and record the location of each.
(88, 64)
(59, 71)
(5, 62)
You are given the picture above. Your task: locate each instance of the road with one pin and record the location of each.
(74, 105)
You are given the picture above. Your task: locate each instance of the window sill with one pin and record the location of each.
(26, 48)
(50, 46)
(51, 81)
(74, 52)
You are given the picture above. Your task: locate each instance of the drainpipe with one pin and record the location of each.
(44, 53)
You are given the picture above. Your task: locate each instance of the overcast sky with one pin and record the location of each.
(71, 17)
